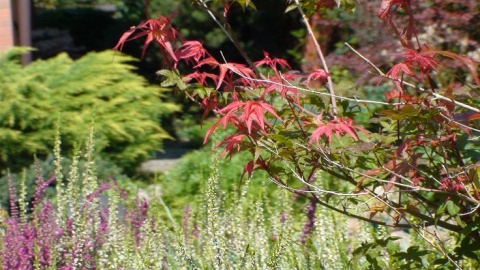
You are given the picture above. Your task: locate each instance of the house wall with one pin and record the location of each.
(6, 25)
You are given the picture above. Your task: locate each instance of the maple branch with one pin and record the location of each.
(309, 90)
(440, 248)
(349, 214)
(409, 225)
(410, 187)
(372, 221)
(322, 58)
(227, 30)
(438, 96)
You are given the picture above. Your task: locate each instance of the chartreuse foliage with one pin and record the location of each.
(65, 94)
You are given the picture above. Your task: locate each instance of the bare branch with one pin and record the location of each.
(321, 56)
(437, 96)
(225, 26)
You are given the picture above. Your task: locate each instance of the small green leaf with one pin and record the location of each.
(246, 3)
(280, 139)
(460, 221)
(441, 210)
(172, 78)
(290, 8)
(452, 208)
(258, 152)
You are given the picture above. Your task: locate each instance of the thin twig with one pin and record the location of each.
(231, 36)
(438, 96)
(309, 90)
(321, 56)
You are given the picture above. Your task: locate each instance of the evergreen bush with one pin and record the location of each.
(60, 93)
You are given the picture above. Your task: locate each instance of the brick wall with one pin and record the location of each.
(6, 25)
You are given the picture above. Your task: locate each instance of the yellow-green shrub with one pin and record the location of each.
(65, 93)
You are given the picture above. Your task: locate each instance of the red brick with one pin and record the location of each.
(6, 27)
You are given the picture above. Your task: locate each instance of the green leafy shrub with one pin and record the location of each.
(65, 94)
(186, 179)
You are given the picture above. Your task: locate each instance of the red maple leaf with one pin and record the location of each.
(319, 75)
(424, 59)
(254, 112)
(159, 30)
(224, 120)
(279, 85)
(249, 167)
(191, 50)
(272, 62)
(338, 126)
(200, 77)
(209, 104)
(239, 69)
(232, 144)
(397, 70)
(247, 116)
(234, 68)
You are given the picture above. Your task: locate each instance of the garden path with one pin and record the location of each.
(167, 159)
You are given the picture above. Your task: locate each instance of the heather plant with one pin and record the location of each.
(27, 176)
(90, 225)
(80, 227)
(413, 165)
(86, 226)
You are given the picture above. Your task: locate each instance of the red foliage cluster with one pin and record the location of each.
(445, 26)
(337, 126)
(247, 116)
(281, 118)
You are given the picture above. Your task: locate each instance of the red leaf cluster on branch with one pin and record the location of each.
(337, 126)
(283, 119)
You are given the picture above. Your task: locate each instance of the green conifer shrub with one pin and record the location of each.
(62, 93)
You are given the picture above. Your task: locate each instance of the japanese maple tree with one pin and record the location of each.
(414, 164)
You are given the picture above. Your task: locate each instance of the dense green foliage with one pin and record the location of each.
(185, 181)
(68, 95)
